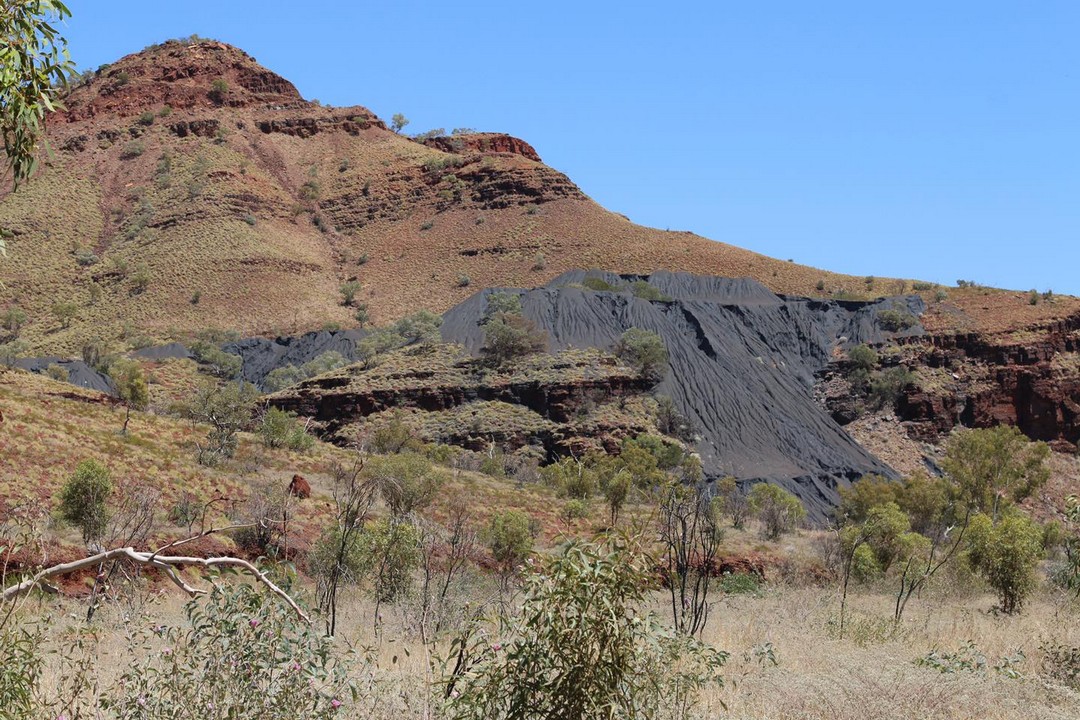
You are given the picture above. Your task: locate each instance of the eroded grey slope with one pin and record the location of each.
(743, 361)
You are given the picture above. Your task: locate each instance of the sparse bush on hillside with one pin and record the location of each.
(348, 291)
(219, 90)
(539, 262)
(140, 279)
(599, 285)
(392, 436)
(896, 320)
(645, 351)
(83, 499)
(887, 385)
(398, 122)
(510, 336)
(282, 377)
(86, 258)
(13, 319)
(280, 428)
(220, 363)
(421, 328)
(132, 150)
(227, 409)
(131, 388)
(509, 539)
(670, 421)
(361, 315)
(147, 118)
(407, 482)
(863, 357)
(731, 501)
(13, 351)
(57, 372)
(64, 311)
(645, 291)
(464, 281)
(779, 511)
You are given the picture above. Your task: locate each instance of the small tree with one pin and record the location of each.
(507, 337)
(227, 409)
(408, 482)
(510, 541)
(280, 428)
(398, 122)
(690, 537)
(83, 498)
(780, 512)
(616, 491)
(421, 328)
(732, 501)
(64, 312)
(362, 315)
(219, 90)
(1006, 553)
(131, 388)
(645, 351)
(13, 319)
(995, 466)
(581, 647)
(348, 291)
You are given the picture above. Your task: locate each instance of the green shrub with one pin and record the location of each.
(13, 319)
(219, 90)
(863, 357)
(581, 647)
(132, 150)
(64, 311)
(464, 281)
(348, 291)
(1007, 554)
(147, 118)
(645, 291)
(740, 584)
(896, 320)
(220, 363)
(57, 372)
(242, 655)
(83, 499)
(780, 512)
(510, 336)
(645, 351)
(599, 285)
(887, 385)
(422, 327)
(509, 539)
(280, 428)
(407, 482)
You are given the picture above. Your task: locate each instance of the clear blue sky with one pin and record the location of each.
(938, 140)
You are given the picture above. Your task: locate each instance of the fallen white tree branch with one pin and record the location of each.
(166, 563)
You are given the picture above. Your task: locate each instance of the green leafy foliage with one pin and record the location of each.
(242, 655)
(280, 428)
(581, 647)
(34, 67)
(644, 350)
(779, 511)
(83, 499)
(408, 482)
(227, 409)
(283, 377)
(995, 466)
(1006, 553)
(509, 538)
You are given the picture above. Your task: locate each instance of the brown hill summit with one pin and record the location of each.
(191, 188)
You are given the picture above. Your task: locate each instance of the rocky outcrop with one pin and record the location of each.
(1030, 379)
(351, 122)
(484, 143)
(183, 75)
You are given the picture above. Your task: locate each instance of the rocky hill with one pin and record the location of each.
(192, 188)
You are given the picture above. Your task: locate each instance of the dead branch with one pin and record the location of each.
(166, 563)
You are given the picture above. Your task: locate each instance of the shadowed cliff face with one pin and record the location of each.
(743, 361)
(1032, 382)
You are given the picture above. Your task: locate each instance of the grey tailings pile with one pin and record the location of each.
(743, 361)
